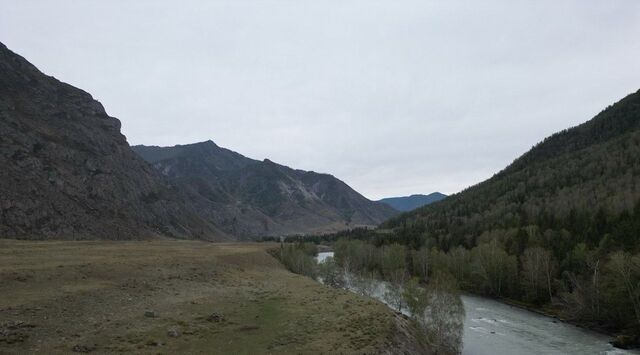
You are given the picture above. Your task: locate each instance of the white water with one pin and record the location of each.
(491, 328)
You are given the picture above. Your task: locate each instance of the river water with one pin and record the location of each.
(492, 328)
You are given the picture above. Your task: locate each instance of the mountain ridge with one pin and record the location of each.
(70, 174)
(263, 198)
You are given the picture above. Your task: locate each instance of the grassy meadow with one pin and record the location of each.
(166, 297)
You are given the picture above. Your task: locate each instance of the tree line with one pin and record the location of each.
(596, 287)
(435, 309)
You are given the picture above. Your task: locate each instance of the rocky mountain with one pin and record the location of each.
(408, 203)
(68, 173)
(251, 198)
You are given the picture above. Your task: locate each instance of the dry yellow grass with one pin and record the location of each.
(57, 297)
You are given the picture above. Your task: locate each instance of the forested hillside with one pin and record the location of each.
(558, 228)
(584, 181)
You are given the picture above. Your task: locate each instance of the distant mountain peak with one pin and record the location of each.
(207, 143)
(431, 194)
(408, 203)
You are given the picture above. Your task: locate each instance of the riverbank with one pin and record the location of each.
(179, 297)
(619, 340)
(494, 327)
(505, 326)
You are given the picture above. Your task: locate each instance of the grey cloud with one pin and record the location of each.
(393, 97)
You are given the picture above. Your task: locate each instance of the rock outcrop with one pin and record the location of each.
(68, 173)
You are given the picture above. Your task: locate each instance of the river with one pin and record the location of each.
(492, 327)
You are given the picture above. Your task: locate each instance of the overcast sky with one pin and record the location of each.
(393, 97)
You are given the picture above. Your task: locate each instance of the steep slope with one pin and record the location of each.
(408, 203)
(557, 229)
(584, 181)
(251, 198)
(67, 171)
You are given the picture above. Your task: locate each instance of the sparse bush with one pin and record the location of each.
(393, 296)
(330, 273)
(297, 259)
(439, 313)
(415, 297)
(363, 284)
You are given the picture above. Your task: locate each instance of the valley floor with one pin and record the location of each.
(179, 297)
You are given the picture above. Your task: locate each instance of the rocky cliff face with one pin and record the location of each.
(67, 171)
(251, 198)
